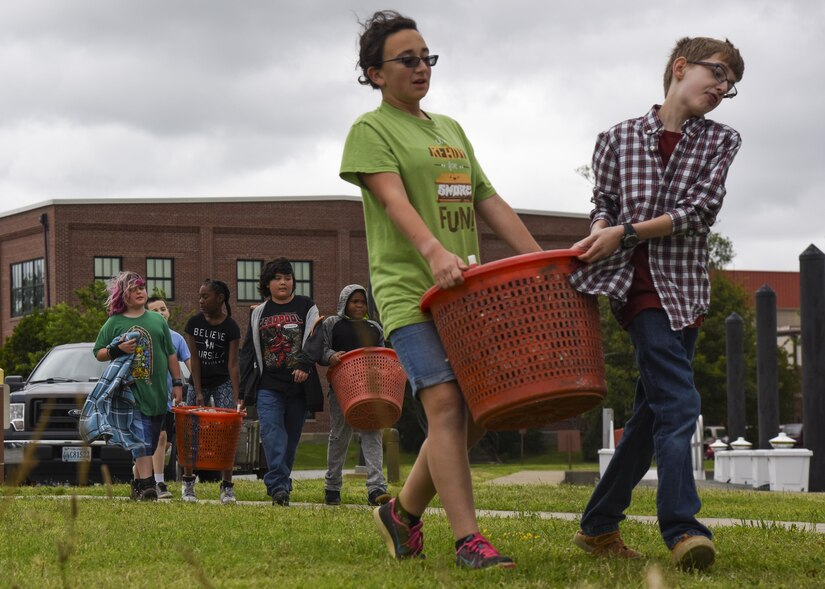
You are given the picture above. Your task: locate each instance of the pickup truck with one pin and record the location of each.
(45, 413)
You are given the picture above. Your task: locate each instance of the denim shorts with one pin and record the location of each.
(422, 355)
(147, 429)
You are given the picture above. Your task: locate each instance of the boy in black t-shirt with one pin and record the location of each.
(286, 376)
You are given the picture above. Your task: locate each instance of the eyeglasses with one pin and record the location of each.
(412, 61)
(720, 76)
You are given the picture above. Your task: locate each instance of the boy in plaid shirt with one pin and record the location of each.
(659, 184)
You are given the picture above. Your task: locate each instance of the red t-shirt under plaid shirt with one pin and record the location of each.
(633, 185)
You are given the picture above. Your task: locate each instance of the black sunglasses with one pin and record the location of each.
(412, 61)
(720, 76)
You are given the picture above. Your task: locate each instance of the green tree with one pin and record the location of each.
(710, 361)
(720, 251)
(37, 333)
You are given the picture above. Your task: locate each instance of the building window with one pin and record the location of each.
(107, 268)
(249, 274)
(159, 278)
(303, 277)
(27, 289)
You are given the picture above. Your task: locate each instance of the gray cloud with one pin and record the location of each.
(207, 98)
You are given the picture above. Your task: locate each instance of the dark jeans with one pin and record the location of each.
(665, 411)
(282, 419)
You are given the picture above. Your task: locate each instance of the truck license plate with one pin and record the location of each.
(77, 454)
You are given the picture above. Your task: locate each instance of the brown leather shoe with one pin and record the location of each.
(609, 544)
(694, 552)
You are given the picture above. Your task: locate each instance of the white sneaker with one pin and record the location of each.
(227, 493)
(187, 490)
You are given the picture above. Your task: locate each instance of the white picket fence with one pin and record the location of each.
(697, 451)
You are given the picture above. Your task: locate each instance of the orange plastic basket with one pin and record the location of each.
(369, 384)
(525, 346)
(207, 437)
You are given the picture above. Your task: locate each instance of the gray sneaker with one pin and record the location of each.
(163, 491)
(227, 493)
(187, 490)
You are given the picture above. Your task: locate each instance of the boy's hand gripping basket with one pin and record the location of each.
(369, 384)
(207, 437)
(525, 346)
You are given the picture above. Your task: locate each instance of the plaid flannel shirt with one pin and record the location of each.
(108, 412)
(632, 185)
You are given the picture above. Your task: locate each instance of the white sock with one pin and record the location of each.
(158, 477)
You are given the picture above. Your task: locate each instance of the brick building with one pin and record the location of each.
(49, 250)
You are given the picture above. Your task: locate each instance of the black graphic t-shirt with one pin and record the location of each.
(212, 347)
(281, 328)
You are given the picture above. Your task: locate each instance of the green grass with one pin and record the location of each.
(119, 543)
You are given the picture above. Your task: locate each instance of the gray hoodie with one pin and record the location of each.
(331, 321)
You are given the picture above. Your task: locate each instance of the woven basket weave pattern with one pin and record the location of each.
(207, 438)
(525, 346)
(369, 384)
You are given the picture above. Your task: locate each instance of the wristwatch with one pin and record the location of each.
(630, 239)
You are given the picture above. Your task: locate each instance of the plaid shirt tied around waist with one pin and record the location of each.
(632, 185)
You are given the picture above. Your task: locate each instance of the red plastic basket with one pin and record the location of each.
(369, 384)
(207, 437)
(525, 346)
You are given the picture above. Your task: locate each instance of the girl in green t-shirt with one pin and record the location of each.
(422, 187)
(153, 355)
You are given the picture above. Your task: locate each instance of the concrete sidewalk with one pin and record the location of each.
(528, 477)
(531, 477)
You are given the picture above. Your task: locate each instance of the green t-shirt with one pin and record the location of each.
(443, 181)
(151, 362)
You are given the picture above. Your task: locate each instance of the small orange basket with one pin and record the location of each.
(525, 346)
(207, 437)
(369, 384)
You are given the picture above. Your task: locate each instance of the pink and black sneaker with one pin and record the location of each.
(477, 553)
(403, 541)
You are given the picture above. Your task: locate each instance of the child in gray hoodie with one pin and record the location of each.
(350, 329)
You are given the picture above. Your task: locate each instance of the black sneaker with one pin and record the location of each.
(281, 497)
(332, 497)
(163, 491)
(148, 491)
(134, 491)
(403, 541)
(378, 497)
(478, 553)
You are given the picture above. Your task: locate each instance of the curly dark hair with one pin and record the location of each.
(276, 266)
(375, 31)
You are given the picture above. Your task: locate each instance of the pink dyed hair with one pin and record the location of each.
(119, 286)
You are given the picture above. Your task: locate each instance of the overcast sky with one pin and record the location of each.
(199, 98)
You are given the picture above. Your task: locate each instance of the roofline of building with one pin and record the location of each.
(220, 199)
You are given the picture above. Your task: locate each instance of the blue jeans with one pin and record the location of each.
(282, 419)
(665, 411)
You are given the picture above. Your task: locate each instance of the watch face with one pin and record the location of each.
(630, 240)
